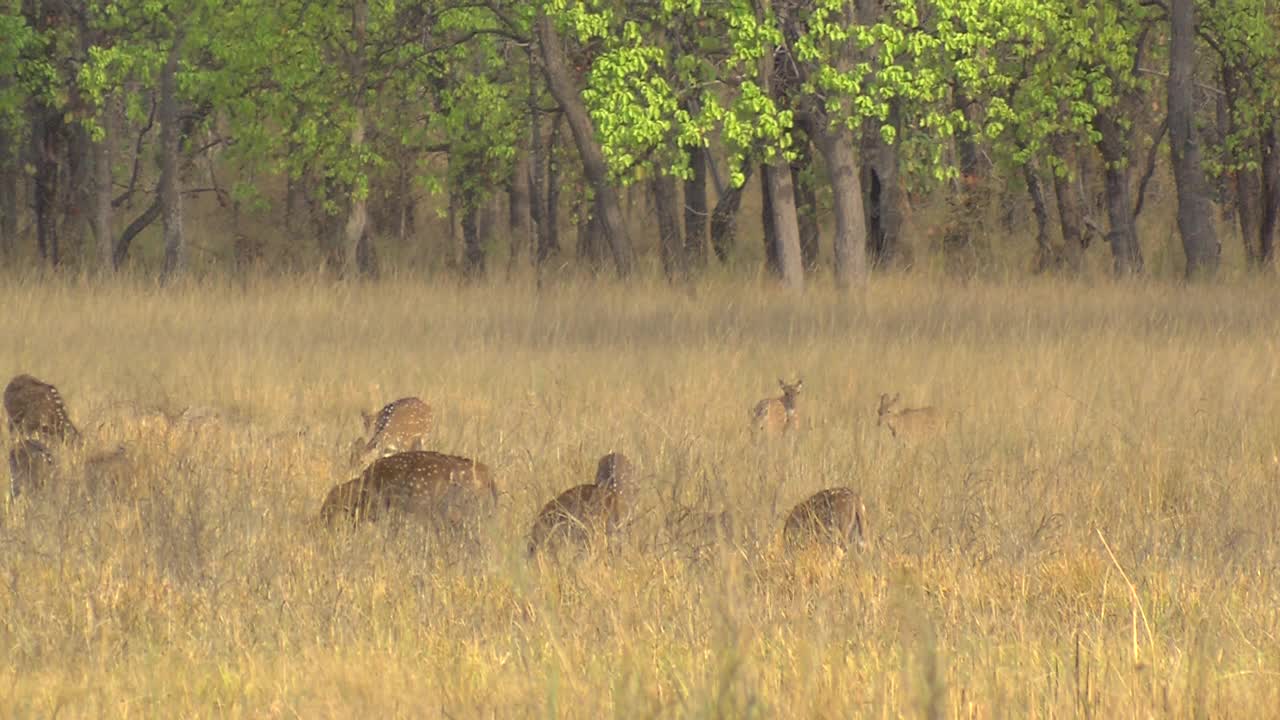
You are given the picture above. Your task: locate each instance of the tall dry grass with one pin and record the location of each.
(1095, 536)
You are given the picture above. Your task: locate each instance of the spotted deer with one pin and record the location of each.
(35, 409)
(399, 426)
(777, 415)
(31, 466)
(832, 516)
(428, 485)
(581, 514)
(908, 424)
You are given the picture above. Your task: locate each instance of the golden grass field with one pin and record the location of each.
(1097, 534)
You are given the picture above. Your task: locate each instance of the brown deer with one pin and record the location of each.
(909, 424)
(35, 409)
(414, 483)
(776, 415)
(31, 466)
(833, 516)
(581, 513)
(399, 426)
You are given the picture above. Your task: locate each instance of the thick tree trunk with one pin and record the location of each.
(695, 212)
(850, 242)
(1195, 211)
(1047, 257)
(806, 200)
(9, 185)
(104, 245)
(884, 202)
(46, 136)
(518, 211)
(1247, 184)
(170, 180)
(724, 219)
(785, 225)
(594, 168)
(353, 230)
(553, 191)
(1122, 234)
(1270, 194)
(665, 199)
(1070, 216)
(472, 249)
(768, 224)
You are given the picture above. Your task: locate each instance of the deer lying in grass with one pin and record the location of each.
(417, 483)
(832, 516)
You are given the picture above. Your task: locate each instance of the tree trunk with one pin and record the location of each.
(883, 199)
(806, 200)
(1122, 234)
(785, 225)
(850, 242)
(1270, 194)
(768, 225)
(1070, 216)
(9, 174)
(553, 191)
(665, 198)
(1047, 257)
(1247, 183)
(695, 212)
(473, 251)
(594, 168)
(724, 219)
(170, 180)
(357, 210)
(46, 137)
(101, 219)
(518, 211)
(1195, 212)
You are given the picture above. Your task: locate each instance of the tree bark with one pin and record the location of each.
(884, 202)
(724, 219)
(473, 251)
(1122, 234)
(8, 197)
(1047, 257)
(518, 211)
(665, 198)
(1270, 194)
(357, 204)
(850, 242)
(101, 219)
(695, 212)
(47, 146)
(594, 168)
(806, 200)
(768, 224)
(1070, 216)
(1195, 211)
(785, 224)
(553, 191)
(170, 181)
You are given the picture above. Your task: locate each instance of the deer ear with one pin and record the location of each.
(781, 384)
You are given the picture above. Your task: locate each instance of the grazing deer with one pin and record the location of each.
(834, 516)
(415, 483)
(400, 426)
(35, 409)
(581, 513)
(778, 414)
(31, 466)
(908, 424)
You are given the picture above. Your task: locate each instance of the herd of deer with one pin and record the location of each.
(400, 477)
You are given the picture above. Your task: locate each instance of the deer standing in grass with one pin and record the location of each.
(401, 425)
(909, 424)
(581, 513)
(777, 415)
(833, 516)
(35, 409)
(419, 483)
